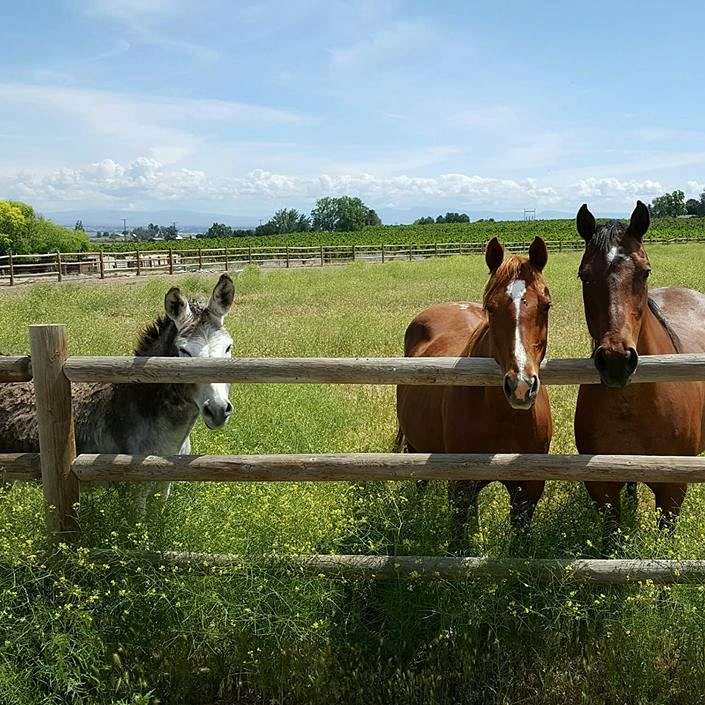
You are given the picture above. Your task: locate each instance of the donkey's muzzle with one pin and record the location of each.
(521, 390)
(216, 415)
(616, 366)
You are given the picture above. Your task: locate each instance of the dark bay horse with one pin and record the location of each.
(141, 419)
(511, 326)
(626, 320)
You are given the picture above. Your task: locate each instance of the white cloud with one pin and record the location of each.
(130, 9)
(167, 128)
(147, 182)
(695, 188)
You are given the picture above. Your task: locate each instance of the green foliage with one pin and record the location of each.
(23, 232)
(670, 205)
(342, 214)
(77, 629)
(479, 231)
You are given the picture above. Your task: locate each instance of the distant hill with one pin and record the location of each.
(187, 221)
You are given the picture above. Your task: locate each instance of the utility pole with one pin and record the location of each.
(124, 226)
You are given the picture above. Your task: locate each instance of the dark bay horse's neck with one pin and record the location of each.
(654, 337)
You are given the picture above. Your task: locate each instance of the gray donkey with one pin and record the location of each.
(141, 419)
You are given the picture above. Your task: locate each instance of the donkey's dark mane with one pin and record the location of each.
(158, 338)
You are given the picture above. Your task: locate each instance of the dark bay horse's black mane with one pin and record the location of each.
(610, 235)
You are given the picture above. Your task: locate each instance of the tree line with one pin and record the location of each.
(447, 218)
(674, 205)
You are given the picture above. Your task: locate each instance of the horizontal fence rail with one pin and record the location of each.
(586, 570)
(468, 371)
(136, 262)
(15, 369)
(388, 466)
(20, 467)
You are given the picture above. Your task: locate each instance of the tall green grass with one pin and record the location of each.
(74, 629)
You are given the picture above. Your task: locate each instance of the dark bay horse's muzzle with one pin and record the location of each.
(616, 366)
(521, 390)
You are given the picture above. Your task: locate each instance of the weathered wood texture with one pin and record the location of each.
(392, 370)
(15, 369)
(57, 443)
(388, 466)
(20, 467)
(609, 571)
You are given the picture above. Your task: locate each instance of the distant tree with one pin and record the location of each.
(343, 213)
(79, 225)
(169, 232)
(457, 218)
(289, 220)
(219, 230)
(428, 220)
(669, 205)
(692, 206)
(440, 219)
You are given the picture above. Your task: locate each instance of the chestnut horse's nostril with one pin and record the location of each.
(509, 386)
(600, 359)
(534, 390)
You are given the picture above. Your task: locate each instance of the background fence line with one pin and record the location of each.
(104, 264)
(61, 472)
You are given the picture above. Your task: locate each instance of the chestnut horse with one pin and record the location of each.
(510, 326)
(626, 320)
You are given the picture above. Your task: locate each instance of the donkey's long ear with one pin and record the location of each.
(585, 222)
(494, 254)
(222, 297)
(177, 307)
(639, 223)
(538, 254)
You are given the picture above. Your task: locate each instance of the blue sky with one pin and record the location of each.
(241, 108)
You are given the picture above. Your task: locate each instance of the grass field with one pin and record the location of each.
(509, 231)
(76, 631)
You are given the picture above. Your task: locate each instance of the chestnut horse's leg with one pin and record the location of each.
(669, 499)
(606, 497)
(523, 498)
(462, 497)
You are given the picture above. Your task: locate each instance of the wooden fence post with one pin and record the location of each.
(435, 250)
(321, 255)
(383, 248)
(226, 259)
(171, 261)
(354, 249)
(287, 257)
(411, 253)
(58, 265)
(200, 258)
(101, 263)
(249, 254)
(12, 271)
(139, 266)
(57, 443)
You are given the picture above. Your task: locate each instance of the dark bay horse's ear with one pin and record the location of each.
(585, 222)
(222, 297)
(494, 254)
(538, 254)
(177, 307)
(639, 223)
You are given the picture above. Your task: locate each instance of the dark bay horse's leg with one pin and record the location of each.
(462, 498)
(606, 496)
(669, 498)
(523, 498)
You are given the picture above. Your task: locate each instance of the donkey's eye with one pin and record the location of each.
(184, 352)
(645, 274)
(228, 349)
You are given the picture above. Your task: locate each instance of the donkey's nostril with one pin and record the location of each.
(228, 408)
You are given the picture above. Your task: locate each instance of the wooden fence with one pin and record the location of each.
(62, 473)
(15, 269)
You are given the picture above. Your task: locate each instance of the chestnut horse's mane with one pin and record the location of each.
(514, 267)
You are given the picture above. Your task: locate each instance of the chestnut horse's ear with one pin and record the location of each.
(494, 254)
(538, 254)
(639, 223)
(585, 222)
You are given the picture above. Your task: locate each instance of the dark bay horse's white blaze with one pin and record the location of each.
(626, 320)
(511, 326)
(141, 419)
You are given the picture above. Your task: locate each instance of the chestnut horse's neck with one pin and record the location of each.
(479, 344)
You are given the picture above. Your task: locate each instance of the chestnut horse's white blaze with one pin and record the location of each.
(516, 291)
